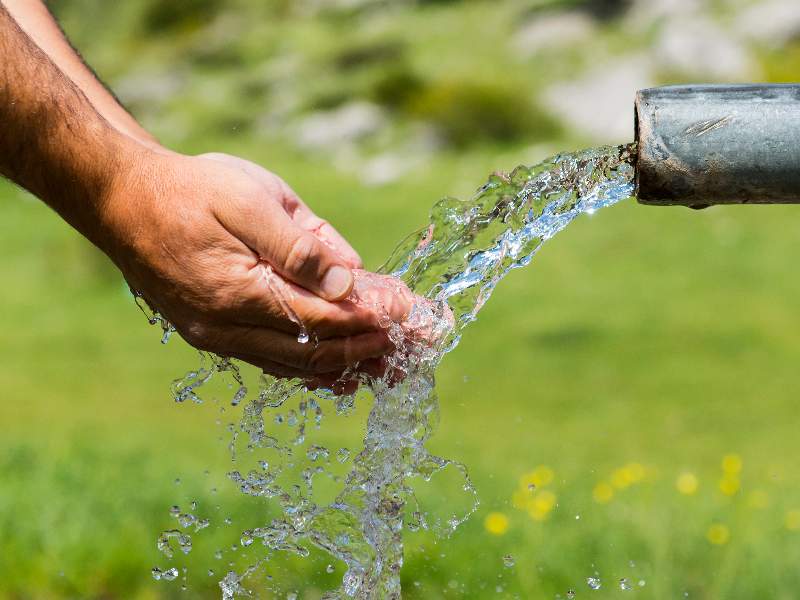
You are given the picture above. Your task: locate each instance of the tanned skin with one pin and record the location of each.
(191, 234)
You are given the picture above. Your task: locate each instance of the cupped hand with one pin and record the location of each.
(232, 257)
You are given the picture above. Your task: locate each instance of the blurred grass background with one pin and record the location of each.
(642, 373)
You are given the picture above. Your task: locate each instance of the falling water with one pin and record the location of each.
(453, 264)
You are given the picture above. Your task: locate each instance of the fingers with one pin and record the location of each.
(270, 367)
(332, 381)
(274, 187)
(374, 298)
(295, 253)
(257, 304)
(324, 231)
(384, 295)
(266, 346)
(328, 234)
(303, 258)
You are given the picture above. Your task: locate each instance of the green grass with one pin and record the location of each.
(661, 337)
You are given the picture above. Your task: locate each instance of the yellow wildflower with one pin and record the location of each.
(496, 523)
(758, 499)
(718, 534)
(540, 505)
(520, 498)
(729, 485)
(541, 476)
(732, 464)
(636, 472)
(621, 478)
(792, 520)
(687, 483)
(603, 492)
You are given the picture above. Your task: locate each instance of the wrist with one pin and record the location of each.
(117, 224)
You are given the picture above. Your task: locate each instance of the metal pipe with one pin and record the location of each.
(700, 145)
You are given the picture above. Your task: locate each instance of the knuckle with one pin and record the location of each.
(219, 301)
(302, 254)
(199, 334)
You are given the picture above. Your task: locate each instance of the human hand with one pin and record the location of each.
(227, 253)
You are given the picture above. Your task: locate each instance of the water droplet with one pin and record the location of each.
(531, 487)
(218, 554)
(302, 337)
(186, 520)
(210, 573)
(624, 584)
(508, 561)
(342, 455)
(642, 583)
(570, 594)
(240, 395)
(177, 481)
(156, 572)
(228, 521)
(175, 510)
(201, 524)
(170, 574)
(593, 582)
(247, 538)
(329, 569)
(577, 517)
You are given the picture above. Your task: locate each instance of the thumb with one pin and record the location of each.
(299, 256)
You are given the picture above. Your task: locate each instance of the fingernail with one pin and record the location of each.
(337, 282)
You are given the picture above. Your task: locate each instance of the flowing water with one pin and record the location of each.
(355, 507)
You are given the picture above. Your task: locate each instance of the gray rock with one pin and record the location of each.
(646, 12)
(344, 125)
(600, 105)
(553, 30)
(774, 22)
(698, 47)
(386, 168)
(147, 88)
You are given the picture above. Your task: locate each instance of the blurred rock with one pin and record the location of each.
(553, 30)
(600, 105)
(144, 89)
(314, 7)
(645, 12)
(773, 23)
(698, 47)
(423, 142)
(343, 125)
(385, 168)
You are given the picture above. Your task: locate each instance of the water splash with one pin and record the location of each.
(453, 264)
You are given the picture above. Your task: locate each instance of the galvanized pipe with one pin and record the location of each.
(718, 144)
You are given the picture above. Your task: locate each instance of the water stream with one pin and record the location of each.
(355, 506)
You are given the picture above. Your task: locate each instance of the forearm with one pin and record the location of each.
(52, 140)
(34, 18)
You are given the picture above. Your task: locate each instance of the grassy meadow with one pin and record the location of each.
(626, 405)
